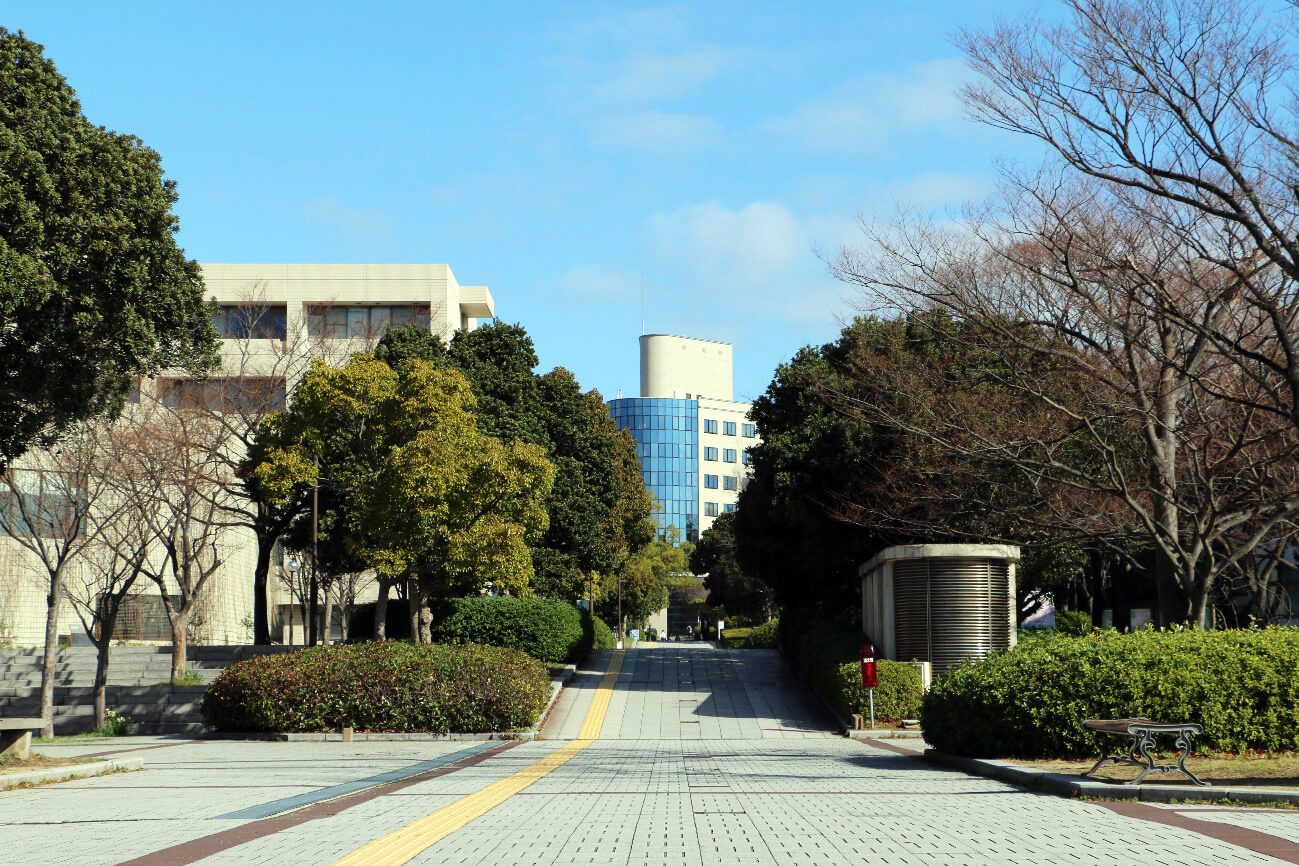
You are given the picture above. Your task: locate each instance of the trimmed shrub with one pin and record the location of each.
(1242, 686)
(544, 628)
(389, 686)
(1074, 623)
(897, 696)
(600, 635)
(757, 637)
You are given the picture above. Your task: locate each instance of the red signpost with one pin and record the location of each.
(868, 677)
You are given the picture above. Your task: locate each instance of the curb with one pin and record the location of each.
(885, 734)
(1073, 786)
(77, 771)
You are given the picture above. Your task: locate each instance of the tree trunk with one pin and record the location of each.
(1096, 575)
(261, 575)
(53, 603)
(103, 649)
(179, 645)
(1121, 582)
(414, 598)
(381, 610)
(326, 616)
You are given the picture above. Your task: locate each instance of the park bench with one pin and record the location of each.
(1141, 739)
(16, 736)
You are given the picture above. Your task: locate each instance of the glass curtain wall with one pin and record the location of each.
(667, 442)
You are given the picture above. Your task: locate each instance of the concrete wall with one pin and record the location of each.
(675, 367)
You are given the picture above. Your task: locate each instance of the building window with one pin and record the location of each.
(359, 323)
(250, 322)
(710, 509)
(744, 456)
(710, 481)
(730, 508)
(710, 453)
(249, 395)
(728, 428)
(749, 431)
(710, 425)
(731, 482)
(728, 456)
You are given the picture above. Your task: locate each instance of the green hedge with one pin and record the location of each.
(827, 658)
(758, 637)
(601, 636)
(389, 686)
(544, 628)
(1242, 686)
(897, 696)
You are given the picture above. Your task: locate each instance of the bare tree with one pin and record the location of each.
(172, 474)
(48, 502)
(108, 581)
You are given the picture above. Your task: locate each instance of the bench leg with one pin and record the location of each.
(1184, 743)
(15, 744)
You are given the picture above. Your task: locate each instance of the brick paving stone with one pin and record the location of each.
(706, 756)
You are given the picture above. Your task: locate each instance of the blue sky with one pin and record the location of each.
(564, 154)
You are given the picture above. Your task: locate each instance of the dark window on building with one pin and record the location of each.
(728, 456)
(728, 428)
(748, 430)
(710, 453)
(339, 322)
(710, 481)
(730, 482)
(710, 425)
(710, 509)
(250, 321)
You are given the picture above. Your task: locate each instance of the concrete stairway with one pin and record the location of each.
(138, 685)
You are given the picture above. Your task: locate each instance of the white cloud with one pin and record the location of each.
(356, 224)
(864, 113)
(597, 282)
(738, 246)
(648, 79)
(658, 131)
(935, 189)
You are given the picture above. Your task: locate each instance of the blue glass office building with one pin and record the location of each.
(667, 442)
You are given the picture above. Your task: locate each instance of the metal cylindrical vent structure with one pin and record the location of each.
(930, 603)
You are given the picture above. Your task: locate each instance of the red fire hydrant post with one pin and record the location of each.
(868, 678)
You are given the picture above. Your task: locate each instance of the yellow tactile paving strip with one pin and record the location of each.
(402, 845)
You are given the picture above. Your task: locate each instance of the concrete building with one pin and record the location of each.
(691, 436)
(274, 320)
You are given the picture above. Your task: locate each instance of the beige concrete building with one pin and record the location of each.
(274, 320)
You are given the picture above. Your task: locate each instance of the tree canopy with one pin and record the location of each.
(426, 490)
(599, 511)
(93, 288)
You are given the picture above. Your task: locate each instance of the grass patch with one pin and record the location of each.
(555, 669)
(1250, 770)
(37, 761)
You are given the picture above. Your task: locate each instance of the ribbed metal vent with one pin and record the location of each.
(911, 609)
(949, 610)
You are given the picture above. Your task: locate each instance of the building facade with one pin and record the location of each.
(274, 321)
(691, 436)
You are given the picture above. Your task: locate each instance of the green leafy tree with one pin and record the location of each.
(93, 288)
(599, 511)
(729, 586)
(645, 580)
(428, 494)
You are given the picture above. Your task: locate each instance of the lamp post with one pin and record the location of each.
(294, 565)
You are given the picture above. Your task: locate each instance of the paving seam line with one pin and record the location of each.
(408, 842)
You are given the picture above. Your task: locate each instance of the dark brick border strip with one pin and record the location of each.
(205, 846)
(1263, 843)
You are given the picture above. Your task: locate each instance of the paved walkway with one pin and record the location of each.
(676, 754)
